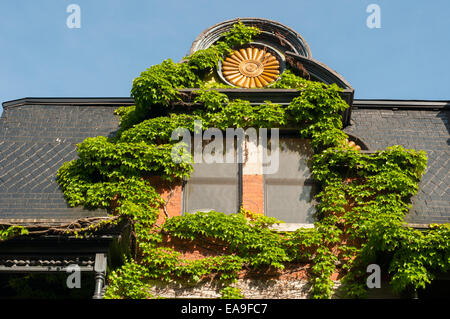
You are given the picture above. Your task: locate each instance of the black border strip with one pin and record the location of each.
(118, 101)
(401, 104)
(94, 101)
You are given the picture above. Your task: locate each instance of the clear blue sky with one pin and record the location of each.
(407, 58)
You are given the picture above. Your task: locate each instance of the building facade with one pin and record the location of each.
(37, 135)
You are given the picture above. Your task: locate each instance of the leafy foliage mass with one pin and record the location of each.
(363, 197)
(12, 231)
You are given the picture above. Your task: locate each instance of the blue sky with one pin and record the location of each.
(407, 58)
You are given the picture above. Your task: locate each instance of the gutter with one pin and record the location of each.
(86, 101)
(426, 105)
(123, 101)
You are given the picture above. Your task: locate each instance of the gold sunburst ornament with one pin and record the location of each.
(251, 68)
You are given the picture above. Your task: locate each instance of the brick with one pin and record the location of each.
(253, 193)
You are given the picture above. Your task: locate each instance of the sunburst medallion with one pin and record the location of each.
(251, 68)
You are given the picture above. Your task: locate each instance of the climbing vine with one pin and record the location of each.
(12, 231)
(363, 197)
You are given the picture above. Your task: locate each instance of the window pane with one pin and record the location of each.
(212, 186)
(289, 192)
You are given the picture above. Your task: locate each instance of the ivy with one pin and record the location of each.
(251, 240)
(367, 196)
(9, 232)
(231, 293)
(362, 201)
(377, 187)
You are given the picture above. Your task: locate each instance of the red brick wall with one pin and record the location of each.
(172, 193)
(253, 193)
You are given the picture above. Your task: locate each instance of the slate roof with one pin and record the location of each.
(38, 135)
(381, 124)
(35, 140)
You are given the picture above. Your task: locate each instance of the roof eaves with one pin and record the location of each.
(86, 101)
(401, 104)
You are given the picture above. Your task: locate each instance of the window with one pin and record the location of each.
(289, 192)
(213, 186)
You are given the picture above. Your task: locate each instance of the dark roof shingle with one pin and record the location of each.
(420, 129)
(35, 140)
